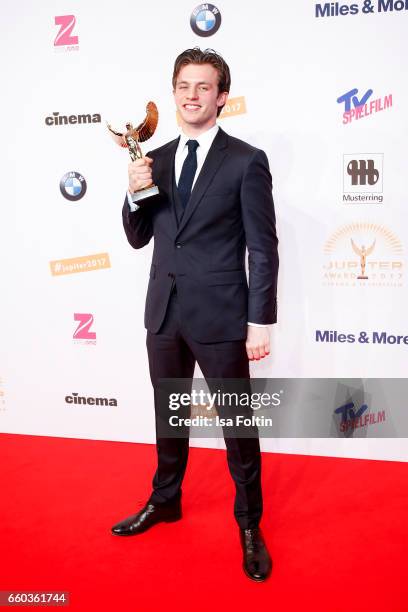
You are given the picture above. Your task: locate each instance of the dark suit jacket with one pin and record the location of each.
(203, 250)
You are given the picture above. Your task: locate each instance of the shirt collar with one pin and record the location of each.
(204, 140)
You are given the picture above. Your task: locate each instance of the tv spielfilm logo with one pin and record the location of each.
(363, 178)
(65, 40)
(355, 108)
(351, 417)
(83, 333)
(361, 255)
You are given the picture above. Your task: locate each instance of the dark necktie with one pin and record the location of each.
(188, 173)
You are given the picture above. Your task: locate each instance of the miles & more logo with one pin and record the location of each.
(338, 9)
(333, 336)
(359, 106)
(83, 333)
(65, 40)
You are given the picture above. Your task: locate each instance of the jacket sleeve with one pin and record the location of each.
(258, 214)
(138, 225)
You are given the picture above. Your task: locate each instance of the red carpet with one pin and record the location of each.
(336, 528)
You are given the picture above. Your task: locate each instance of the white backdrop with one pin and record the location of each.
(290, 66)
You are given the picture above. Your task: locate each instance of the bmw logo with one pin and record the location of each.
(73, 186)
(205, 20)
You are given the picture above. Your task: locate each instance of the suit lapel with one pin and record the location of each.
(213, 161)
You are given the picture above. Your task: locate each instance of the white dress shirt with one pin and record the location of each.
(205, 141)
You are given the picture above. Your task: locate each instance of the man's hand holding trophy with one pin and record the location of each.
(140, 168)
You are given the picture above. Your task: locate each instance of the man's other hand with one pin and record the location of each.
(140, 174)
(257, 342)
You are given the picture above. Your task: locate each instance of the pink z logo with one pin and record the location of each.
(63, 38)
(82, 331)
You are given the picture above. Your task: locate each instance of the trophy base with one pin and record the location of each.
(362, 277)
(147, 192)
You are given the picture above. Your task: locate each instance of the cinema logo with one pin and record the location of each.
(358, 106)
(363, 255)
(87, 263)
(56, 119)
(83, 333)
(363, 178)
(2, 396)
(349, 418)
(77, 399)
(65, 40)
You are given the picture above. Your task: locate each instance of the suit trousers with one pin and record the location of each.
(173, 354)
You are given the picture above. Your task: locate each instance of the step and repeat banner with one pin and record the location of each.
(320, 87)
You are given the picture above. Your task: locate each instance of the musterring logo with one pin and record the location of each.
(75, 398)
(56, 119)
(363, 178)
(362, 172)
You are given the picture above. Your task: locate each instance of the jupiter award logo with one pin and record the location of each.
(205, 20)
(363, 255)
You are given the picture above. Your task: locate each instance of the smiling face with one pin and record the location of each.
(197, 98)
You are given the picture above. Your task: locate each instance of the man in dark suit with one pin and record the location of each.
(214, 201)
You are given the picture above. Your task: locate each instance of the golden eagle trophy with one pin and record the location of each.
(363, 253)
(131, 138)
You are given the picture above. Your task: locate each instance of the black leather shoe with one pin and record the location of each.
(257, 563)
(148, 516)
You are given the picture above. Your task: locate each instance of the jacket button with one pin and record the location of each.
(178, 245)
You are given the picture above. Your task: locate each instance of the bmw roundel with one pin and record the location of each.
(205, 20)
(73, 186)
